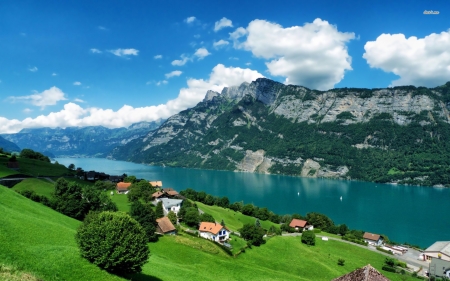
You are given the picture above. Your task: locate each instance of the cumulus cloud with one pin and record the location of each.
(201, 53)
(418, 61)
(220, 43)
(183, 61)
(78, 100)
(313, 55)
(95, 51)
(76, 83)
(222, 23)
(47, 97)
(157, 57)
(190, 19)
(163, 82)
(33, 69)
(173, 74)
(74, 115)
(124, 52)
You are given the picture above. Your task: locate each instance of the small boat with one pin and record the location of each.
(341, 198)
(298, 193)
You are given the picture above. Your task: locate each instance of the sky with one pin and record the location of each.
(115, 63)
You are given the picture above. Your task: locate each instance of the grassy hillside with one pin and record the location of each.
(33, 168)
(39, 240)
(40, 186)
(233, 220)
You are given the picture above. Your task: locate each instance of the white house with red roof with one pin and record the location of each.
(214, 231)
(373, 239)
(300, 225)
(123, 187)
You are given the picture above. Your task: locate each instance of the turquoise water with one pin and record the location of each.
(413, 214)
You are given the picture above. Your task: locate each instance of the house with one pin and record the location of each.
(165, 226)
(440, 250)
(122, 187)
(158, 195)
(439, 268)
(90, 176)
(214, 231)
(367, 273)
(173, 205)
(116, 179)
(172, 193)
(300, 225)
(166, 190)
(156, 184)
(373, 239)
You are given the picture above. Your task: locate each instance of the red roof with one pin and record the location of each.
(165, 224)
(371, 236)
(210, 227)
(157, 194)
(298, 223)
(123, 185)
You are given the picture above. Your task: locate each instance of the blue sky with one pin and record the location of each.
(114, 63)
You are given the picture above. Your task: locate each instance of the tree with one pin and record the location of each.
(172, 217)
(207, 217)
(248, 209)
(131, 179)
(257, 223)
(224, 202)
(191, 217)
(343, 229)
(144, 214)
(237, 206)
(222, 223)
(209, 200)
(341, 262)
(96, 200)
(253, 234)
(159, 210)
(113, 241)
(69, 199)
(309, 238)
(319, 221)
(71, 167)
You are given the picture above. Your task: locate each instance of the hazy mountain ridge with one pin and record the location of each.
(8, 145)
(94, 141)
(396, 134)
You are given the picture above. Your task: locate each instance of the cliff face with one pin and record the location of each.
(269, 127)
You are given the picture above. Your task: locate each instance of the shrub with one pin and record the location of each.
(113, 241)
(388, 268)
(309, 238)
(384, 251)
(341, 262)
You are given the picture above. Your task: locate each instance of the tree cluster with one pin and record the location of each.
(253, 234)
(139, 190)
(31, 154)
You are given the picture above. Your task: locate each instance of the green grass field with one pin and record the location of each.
(233, 220)
(40, 241)
(40, 186)
(34, 168)
(4, 170)
(121, 201)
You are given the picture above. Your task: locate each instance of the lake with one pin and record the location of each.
(413, 214)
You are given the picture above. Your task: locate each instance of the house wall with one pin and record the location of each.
(373, 242)
(210, 236)
(429, 255)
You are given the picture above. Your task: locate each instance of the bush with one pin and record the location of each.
(309, 238)
(341, 262)
(388, 268)
(113, 241)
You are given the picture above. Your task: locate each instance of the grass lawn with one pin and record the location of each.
(40, 186)
(121, 201)
(41, 241)
(40, 168)
(233, 220)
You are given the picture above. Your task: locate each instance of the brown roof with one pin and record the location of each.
(172, 192)
(211, 227)
(371, 236)
(165, 224)
(123, 185)
(298, 223)
(157, 194)
(367, 273)
(156, 183)
(168, 189)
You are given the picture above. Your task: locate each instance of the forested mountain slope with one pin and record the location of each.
(398, 134)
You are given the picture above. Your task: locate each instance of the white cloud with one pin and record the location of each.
(76, 83)
(190, 19)
(201, 53)
(27, 110)
(74, 115)
(33, 69)
(418, 61)
(313, 55)
(233, 58)
(124, 52)
(183, 61)
(102, 28)
(173, 74)
(163, 82)
(220, 43)
(54, 74)
(47, 97)
(222, 23)
(157, 57)
(78, 100)
(95, 51)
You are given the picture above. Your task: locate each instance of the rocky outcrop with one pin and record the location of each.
(251, 161)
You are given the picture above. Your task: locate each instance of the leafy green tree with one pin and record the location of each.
(191, 217)
(201, 196)
(144, 214)
(224, 202)
(71, 167)
(159, 210)
(237, 206)
(186, 204)
(257, 223)
(319, 221)
(343, 229)
(31, 154)
(248, 209)
(69, 199)
(113, 241)
(172, 217)
(341, 262)
(209, 200)
(222, 223)
(207, 218)
(131, 179)
(253, 234)
(309, 238)
(97, 200)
